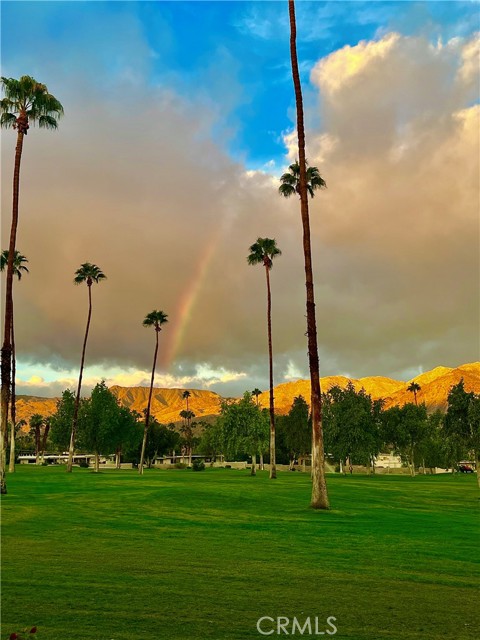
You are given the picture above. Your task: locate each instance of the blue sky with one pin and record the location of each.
(207, 86)
(231, 53)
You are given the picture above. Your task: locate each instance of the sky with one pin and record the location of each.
(179, 120)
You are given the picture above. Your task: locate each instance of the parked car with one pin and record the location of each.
(465, 468)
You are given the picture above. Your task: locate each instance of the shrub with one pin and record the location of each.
(83, 464)
(180, 465)
(198, 465)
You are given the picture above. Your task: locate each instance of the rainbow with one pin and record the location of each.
(183, 312)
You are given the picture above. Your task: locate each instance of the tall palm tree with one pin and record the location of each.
(26, 101)
(154, 319)
(319, 487)
(88, 273)
(414, 388)
(263, 251)
(189, 415)
(18, 267)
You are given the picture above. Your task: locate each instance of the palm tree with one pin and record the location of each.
(153, 319)
(188, 419)
(414, 388)
(263, 252)
(88, 273)
(186, 395)
(319, 487)
(25, 101)
(256, 392)
(18, 267)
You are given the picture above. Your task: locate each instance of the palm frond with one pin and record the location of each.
(286, 190)
(47, 122)
(7, 120)
(18, 263)
(289, 178)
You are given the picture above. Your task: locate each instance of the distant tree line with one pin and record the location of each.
(357, 430)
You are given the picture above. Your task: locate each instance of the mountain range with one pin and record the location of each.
(167, 403)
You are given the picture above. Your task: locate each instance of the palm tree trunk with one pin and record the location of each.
(13, 407)
(79, 388)
(37, 445)
(273, 466)
(319, 498)
(44, 439)
(6, 354)
(147, 415)
(412, 460)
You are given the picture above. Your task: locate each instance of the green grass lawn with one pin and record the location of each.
(180, 555)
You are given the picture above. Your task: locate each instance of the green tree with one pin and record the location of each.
(263, 251)
(462, 423)
(298, 431)
(211, 441)
(25, 101)
(88, 273)
(160, 440)
(351, 426)
(245, 428)
(127, 435)
(434, 448)
(414, 388)
(61, 421)
(153, 319)
(98, 432)
(19, 267)
(319, 498)
(407, 429)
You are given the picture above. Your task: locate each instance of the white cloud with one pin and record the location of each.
(341, 67)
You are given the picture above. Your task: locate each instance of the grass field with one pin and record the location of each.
(180, 555)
